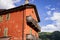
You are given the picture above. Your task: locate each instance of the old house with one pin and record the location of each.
(20, 23)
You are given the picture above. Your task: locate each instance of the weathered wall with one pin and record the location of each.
(27, 28)
(14, 25)
(17, 26)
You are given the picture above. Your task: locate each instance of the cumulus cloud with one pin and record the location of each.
(55, 16)
(53, 8)
(7, 4)
(15, 1)
(56, 19)
(49, 12)
(48, 6)
(47, 18)
(48, 28)
(52, 27)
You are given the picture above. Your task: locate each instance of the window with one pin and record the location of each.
(1, 18)
(30, 31)
(29, 37)
(7, 16)
(5, 32)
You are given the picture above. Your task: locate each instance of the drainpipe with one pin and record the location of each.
(23, 27)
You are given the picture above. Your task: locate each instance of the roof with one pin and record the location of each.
(2, 10)
(22, 7)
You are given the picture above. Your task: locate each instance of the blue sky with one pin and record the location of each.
(49, 12)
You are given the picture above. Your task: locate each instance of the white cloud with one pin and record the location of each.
(48, 28)
(53, 8)
(49, 12)
(48, 6)
(52, 27)
(55, 16)
(47, 18)
(15, 1)
(7, 4)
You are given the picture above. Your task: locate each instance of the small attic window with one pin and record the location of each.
(1, 18)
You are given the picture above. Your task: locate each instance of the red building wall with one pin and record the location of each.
(17, 26)
(14, 25)
(27, 28)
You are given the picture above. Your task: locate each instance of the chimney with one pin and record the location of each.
(26, 1)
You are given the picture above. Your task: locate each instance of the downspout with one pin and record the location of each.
(23, 27)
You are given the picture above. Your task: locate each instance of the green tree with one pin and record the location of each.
(55, 35)
(44, 35)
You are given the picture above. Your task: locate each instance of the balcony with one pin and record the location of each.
(33, 23)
